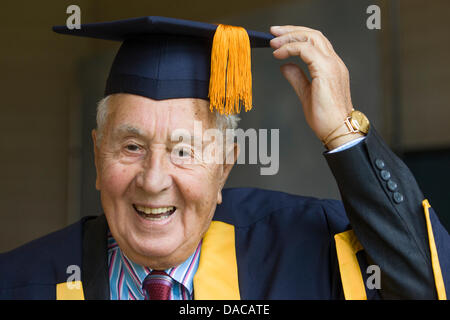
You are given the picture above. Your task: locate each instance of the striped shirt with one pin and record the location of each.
(126, 277)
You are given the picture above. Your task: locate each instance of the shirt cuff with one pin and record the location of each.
(347, 145)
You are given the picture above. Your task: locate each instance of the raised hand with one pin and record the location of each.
(326, 99)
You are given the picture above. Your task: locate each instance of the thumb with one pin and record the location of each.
(298, 80)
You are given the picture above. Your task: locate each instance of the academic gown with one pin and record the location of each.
(272, 245)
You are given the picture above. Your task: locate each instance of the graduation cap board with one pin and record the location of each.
(165, 58)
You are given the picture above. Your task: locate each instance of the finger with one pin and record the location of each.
(277, 42)
(298, 80)
(301, 36)
(307, 52)
(282, 30)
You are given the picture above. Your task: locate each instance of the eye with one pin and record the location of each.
(182, 153)
(132, 147)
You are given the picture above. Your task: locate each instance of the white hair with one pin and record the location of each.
(223, 122)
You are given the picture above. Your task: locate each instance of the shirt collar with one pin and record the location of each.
(183, 273)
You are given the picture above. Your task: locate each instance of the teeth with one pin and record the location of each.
(148, 210)
(148, 217)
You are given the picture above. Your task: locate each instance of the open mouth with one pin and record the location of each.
(154, 214)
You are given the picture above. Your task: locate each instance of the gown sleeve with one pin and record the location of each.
(391, 221)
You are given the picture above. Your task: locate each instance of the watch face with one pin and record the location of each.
(361, 119)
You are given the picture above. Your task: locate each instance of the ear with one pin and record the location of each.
(96, 155)
(232, 154)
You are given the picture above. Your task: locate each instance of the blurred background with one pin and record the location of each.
(50, 84)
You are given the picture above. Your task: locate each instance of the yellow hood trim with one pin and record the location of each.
(347, 245)
(217, 274)
(439, 281)
(69, 291)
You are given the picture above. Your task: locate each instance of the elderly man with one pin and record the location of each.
(170, 230)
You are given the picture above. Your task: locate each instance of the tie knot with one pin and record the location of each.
(157, 285)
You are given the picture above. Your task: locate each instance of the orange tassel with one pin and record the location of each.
(230, 85)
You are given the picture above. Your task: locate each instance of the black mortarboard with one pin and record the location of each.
(164, 58)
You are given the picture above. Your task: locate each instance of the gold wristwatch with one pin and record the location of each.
(356, 122)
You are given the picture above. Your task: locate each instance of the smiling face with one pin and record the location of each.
(158, 204)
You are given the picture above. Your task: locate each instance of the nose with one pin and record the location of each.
(155, 177)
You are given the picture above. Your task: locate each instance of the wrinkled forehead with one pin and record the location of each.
(158, 117)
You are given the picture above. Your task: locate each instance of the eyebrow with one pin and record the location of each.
(127, 129)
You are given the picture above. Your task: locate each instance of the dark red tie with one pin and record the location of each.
(157, 285)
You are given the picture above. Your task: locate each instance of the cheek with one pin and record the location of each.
(115, 178)
(200, 190)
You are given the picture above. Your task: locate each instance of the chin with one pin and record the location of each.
(159, 251)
